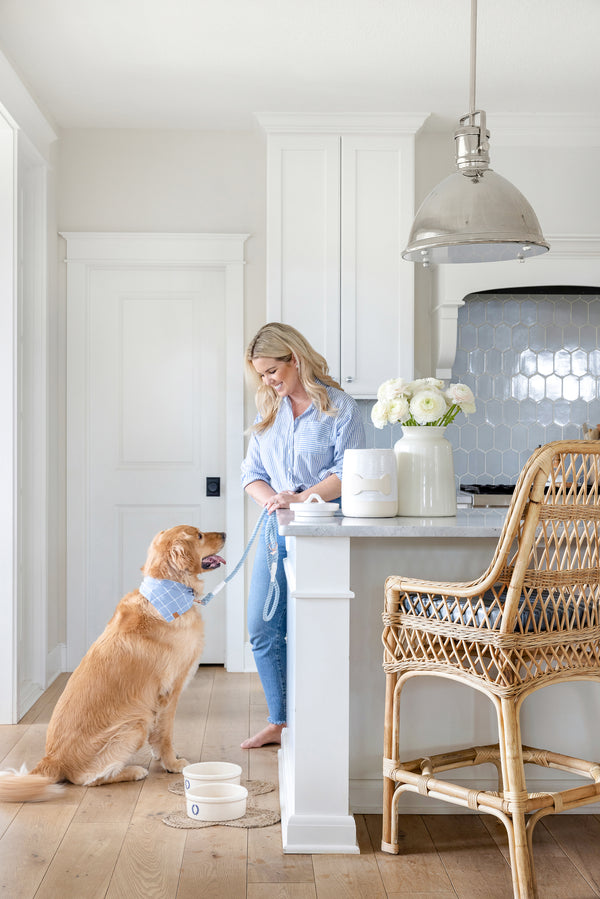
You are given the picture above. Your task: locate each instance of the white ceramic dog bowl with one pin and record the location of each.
(216, 801)
(211, 772)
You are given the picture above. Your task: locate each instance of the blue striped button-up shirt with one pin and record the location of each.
(297, 453)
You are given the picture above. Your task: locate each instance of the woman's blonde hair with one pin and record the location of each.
(276, 340)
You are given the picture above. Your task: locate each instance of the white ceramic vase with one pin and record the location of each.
(426, 486)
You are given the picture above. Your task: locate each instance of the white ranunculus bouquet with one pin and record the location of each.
(420, 402)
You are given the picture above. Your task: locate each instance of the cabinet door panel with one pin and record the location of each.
(303, 235)
(377, 286)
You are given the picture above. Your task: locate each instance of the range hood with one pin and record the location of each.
(572, 260)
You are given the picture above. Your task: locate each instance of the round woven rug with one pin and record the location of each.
(254, 817)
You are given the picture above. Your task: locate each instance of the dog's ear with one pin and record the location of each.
(153, 554)
(180, 553)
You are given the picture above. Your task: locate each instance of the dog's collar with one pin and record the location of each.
(170, 598)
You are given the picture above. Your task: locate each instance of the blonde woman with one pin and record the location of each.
(304, 424)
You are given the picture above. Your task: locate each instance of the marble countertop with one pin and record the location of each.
(468, 522)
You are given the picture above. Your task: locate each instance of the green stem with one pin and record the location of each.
(446, 419)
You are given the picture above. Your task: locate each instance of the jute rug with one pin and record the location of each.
(254, 817)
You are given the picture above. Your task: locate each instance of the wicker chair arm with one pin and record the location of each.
(463, 589)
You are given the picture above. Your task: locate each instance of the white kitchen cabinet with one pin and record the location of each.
(340, 203)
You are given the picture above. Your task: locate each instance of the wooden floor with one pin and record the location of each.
(111, 842)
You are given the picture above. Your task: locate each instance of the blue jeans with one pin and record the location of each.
(268, 638)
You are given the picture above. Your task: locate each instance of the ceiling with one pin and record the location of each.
(213, 64)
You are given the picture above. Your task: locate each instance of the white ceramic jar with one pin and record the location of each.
(369, 483)
(426, 485)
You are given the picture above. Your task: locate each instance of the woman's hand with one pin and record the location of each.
(280, 500)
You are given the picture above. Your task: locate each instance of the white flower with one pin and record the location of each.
(428, 405)
(462, 396)
(379, 414)
(392, 390)
(425, 384)
(399, 410)
(389, 412)
(420, 402)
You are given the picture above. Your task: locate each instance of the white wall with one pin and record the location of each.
(562, 183)
(170, 181)
(167, 181)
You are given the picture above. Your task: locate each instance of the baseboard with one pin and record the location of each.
(310, 833)
(29, 693)
(249, 663)
(56, 663)
(366, 797)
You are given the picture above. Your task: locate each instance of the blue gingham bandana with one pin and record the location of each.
(169, 598)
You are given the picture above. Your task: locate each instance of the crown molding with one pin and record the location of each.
(580, 246)
(22, 113)
(506, 129)
(342, 123)
(536, 130)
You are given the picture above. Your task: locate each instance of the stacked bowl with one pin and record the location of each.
(213, 791)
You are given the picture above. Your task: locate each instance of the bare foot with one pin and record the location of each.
(270, 734)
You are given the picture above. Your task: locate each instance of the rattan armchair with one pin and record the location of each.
(532, 620)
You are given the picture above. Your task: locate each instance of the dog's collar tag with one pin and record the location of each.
(170, 598)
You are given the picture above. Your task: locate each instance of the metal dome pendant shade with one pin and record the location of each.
(474, 215)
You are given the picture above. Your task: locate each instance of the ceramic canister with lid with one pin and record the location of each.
(369, 483)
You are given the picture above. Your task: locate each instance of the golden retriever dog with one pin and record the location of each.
(126, 688)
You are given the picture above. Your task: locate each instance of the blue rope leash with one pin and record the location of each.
(272, 600)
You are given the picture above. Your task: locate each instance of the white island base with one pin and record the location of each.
(335, 677)
(314, 756)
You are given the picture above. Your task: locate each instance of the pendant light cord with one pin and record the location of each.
(472, 106)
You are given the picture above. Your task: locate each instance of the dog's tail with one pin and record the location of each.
(22, 786)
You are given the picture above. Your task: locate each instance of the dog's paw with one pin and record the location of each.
(137, 772)
(174, 766)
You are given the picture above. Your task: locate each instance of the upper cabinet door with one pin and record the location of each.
(303, 238)
(339, 210)
(377, 285)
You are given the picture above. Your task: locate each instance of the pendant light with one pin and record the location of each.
(474, 215)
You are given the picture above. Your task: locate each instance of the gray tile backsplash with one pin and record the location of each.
(533, 362)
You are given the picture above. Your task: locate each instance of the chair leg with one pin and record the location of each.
(390, 751)
(515, 790)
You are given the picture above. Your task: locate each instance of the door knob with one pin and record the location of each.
(213, 486)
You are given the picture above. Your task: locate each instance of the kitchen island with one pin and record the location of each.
(330, 760)
(330, 757)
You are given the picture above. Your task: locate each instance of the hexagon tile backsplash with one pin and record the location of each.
(533, 362)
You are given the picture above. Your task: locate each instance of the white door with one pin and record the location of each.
(152, 353)
(157, 385)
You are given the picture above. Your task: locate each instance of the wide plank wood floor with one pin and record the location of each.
(111, 841)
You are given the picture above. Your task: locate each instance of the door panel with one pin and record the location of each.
(156, 350)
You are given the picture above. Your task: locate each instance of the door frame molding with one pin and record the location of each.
(86, 251)
(8, 406)
(34, 663)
